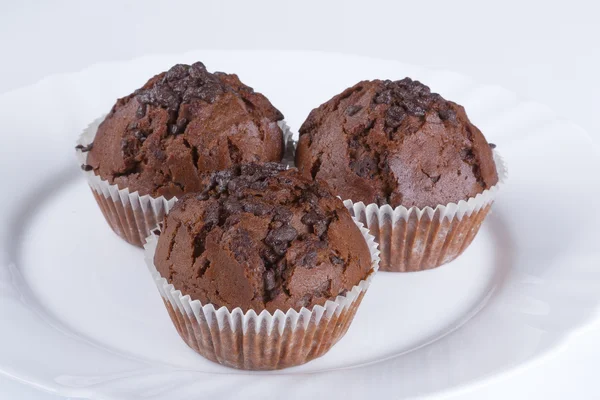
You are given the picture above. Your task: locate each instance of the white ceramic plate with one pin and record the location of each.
(81, 317)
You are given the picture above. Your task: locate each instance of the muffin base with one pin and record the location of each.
(417, 239)
(130, 215)
(262, 341)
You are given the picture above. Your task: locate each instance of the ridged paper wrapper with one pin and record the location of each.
(264, 341)
(416, 239)
(130, 215)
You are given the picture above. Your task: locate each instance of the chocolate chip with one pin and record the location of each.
(259, 185)
(281, 235)
(139, 135)
(145, 96)
(414, 108)
(270, 280)
(317, 221)
(177, 72)
(167, 98)
(467, 155)
(310, 259)
(256, 207)
(232, 206)
(156, 232)
(320, 228)
(279, 238)
(250, 169)
(447, 114)
(283, 214)
(311, 218)
(384, 97)
(197, 70)
(221, 178)
(269, 255)
(351, 110)
(394, 116)
(84, 149)
(310, 198)
(212, 214)
(365, 166)
(141, 111)
(159, 154)
(86, 167)
(241, 245)
(492, 145)
(203, 196)
(336, 260)
(412, 96)
(275, 224)
(279, 248)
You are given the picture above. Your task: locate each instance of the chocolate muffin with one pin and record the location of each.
(396, 143)
(259, 237)
(181, 123)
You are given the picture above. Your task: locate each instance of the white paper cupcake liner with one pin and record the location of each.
(264, 341)
(415, 239)
(130, 215)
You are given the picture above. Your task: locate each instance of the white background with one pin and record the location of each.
(548, 51)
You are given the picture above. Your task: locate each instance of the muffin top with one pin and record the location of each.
(260, 237)
(395, 143)
(181, 123)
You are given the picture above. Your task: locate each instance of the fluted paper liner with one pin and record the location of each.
(262, 341)
(130, 215)
(416, 239)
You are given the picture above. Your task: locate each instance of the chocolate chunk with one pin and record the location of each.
(281, 235)
(414, 108)
(141, 111)
(309, 260)
(177, 72)
(350, 111)
(83, 148)
(282, 214)
(159, 155)
(256, 207)
(336, 260)
(318, 222)
(364, 167)
(232, 206)
(212, 213)
(467, 155)
(394, 116)
(312, 218)
(384, 97)
(447, 114)
(270, 280)
(270, 256)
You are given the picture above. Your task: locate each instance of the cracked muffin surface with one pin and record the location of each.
(261, 237)
(396, 143)
(181, 123)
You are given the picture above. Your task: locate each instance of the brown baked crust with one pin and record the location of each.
(395, 143)
(181, 123)
(259, 237)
